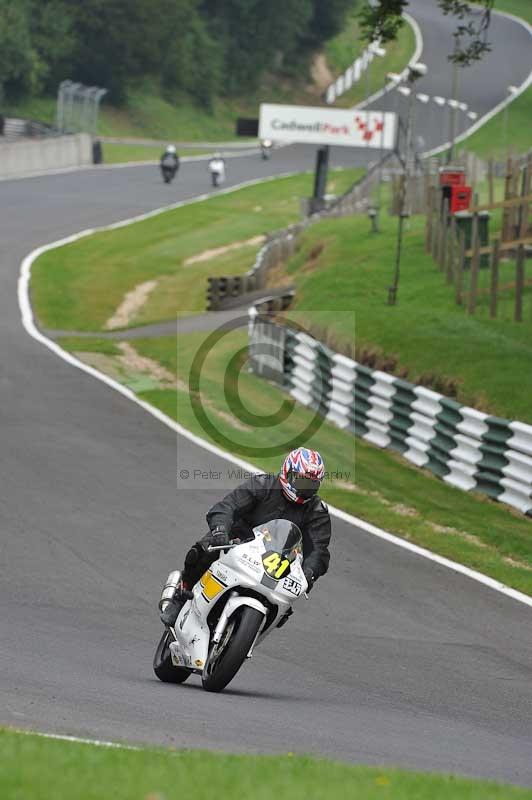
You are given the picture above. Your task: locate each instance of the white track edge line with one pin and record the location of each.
(77, 739)
(29, 324)
(495, 110)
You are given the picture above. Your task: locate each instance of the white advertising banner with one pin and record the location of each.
(327, 126)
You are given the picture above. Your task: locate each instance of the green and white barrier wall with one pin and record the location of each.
(464, 447)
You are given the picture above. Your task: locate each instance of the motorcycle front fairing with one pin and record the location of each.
(252, 573)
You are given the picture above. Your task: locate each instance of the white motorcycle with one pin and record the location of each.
(238, 601)
(217, 170)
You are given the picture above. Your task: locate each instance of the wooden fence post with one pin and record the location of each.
(451, 249)
(514, 210)
(507, 193)
(444, 235)
(494, 285)
(435, 230)
(475, 262)
(524, 207)
(519, 282)
(428, 221)
(490, 181)
(460, 268)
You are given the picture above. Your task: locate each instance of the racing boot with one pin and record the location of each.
(170, 612)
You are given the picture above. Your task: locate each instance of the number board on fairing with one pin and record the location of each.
(292, 586)
(275, 565)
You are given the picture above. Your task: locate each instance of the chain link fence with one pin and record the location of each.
(78, 107)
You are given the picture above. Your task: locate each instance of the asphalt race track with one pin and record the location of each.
(482, 86)
(394, 660)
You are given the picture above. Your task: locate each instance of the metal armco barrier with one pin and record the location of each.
(283, 244)
(464, 447)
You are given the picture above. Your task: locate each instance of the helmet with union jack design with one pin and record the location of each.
(301, 474)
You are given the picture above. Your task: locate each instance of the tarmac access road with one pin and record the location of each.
(394, 660)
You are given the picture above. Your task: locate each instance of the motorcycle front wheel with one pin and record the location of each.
(226, 659)
(162, 662)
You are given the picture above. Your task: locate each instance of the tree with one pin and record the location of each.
(328, 18)
(17, 59)
(191, 58)
(117, 41)
(254, 34)
(383, 20)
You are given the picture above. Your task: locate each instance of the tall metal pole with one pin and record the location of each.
(511, 90)
(392, 291)
(454, 96)
(60, 112)
(99, 97)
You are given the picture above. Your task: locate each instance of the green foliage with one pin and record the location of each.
(383, 21)
(199, 47)
(17, 58)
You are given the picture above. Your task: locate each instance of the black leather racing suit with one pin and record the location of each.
(258, 500)
(170, 160)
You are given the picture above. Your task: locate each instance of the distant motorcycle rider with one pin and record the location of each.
(169, 161)
(290, 495)
(217, 169)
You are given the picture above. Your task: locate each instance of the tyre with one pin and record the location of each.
(162, 663)
(223, 665)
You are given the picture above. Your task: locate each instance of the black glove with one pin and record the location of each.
(219, 537)
(309, 575)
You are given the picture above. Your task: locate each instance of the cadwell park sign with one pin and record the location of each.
(325, 126)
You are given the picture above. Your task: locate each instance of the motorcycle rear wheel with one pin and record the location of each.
(162, 662)
(222, 670)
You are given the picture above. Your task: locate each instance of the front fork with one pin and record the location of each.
(235, 601)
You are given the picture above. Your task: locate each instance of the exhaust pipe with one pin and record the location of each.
(170, 588)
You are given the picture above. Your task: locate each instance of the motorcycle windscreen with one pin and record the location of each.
(282, 537)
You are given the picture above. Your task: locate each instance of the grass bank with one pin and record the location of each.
(490, 140)
(426, 337)
(40, 768)
(79, 286)
(377, 485)
(347, 46)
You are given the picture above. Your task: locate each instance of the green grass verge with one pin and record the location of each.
(347, 46)
(114, 153)
(79, 286)
(487, 362)
(520, 8)
(376, 485)
(490, 140)
(89, 345)
(35, 767)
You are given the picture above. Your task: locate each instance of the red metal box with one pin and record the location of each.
(454, 176)
(460, 199)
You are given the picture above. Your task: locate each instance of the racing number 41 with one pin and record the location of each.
(274, 565)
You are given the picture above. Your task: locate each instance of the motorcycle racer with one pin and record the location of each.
(291, 495)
